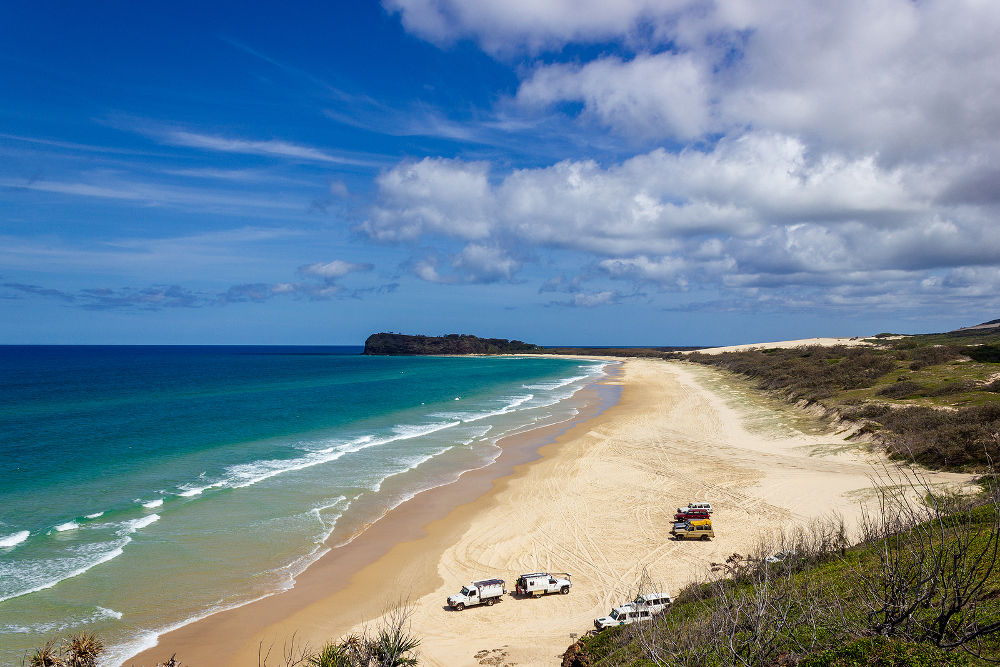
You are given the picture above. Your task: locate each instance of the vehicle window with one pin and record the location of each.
(643, 614)
(465, 590)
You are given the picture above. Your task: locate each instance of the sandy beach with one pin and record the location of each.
(597, 502)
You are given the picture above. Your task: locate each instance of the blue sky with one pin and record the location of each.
(631, 172)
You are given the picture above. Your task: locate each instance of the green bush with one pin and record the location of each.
(986, 354)
(903, 389)
(882, 652)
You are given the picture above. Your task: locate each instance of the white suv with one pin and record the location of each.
(654, 602)
(623, 615)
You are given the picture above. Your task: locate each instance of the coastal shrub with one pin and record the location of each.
(993, 386)
(962, 438)
(884, 652)
(989, 354)
(80, 650)
(810, 373)
(931, 355)
(903, 389)
(46, 656)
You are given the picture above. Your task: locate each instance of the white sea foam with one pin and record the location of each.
(14, 538)
(133, 525)
(153, 503)
(69, 525)
(37, 575)
(466, 417)
(95, 515)
(99, 614)
(49, 583)
(556, 384)
(247, 474)
(189, 491)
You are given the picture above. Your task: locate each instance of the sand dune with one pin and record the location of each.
(801, 342)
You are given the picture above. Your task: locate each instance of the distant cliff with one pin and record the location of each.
(399, 344)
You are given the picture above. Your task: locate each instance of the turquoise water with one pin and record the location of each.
(141, 487)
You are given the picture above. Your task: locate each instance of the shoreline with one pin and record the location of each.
(597, 500)
(206, 639)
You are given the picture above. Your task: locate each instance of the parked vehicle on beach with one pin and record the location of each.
(623, 615)
(654, 602)
(694, 532)
(700, 505)
(686, 514)
(642, 608)
(540, 583)
(487, 592)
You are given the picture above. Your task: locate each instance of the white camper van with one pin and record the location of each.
(540, 583)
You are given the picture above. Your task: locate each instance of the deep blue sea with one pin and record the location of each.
(142, 487)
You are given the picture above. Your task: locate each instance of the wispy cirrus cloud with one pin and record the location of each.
(321, 284)
(108, 186)
(263, 147)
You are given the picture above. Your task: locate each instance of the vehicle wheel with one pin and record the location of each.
(704, 538)
(459, 607)
(489, 603)
(564, 590)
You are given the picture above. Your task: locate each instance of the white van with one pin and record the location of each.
(653, 602)
(700, 506)
(623, 615)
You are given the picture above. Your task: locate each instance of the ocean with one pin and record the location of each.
(144, 487)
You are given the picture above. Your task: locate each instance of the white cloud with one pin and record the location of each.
(504, 25)
(794, 152)
(895, 79)
(338, 268)
(433, 195)
(651, 96)
(268, 147)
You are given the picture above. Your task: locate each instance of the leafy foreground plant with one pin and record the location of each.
(81, 650)
(391, 644)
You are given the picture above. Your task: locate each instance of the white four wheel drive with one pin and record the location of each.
(641, 609)
(654, 602)
(540, 583)
(488, 592)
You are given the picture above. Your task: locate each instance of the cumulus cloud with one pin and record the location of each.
(432, 195)
(792, 153)
(651, 96)
(759, 210)
(502, 25)
(475, 263)
(895, 78)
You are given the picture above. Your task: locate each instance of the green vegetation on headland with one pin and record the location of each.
(933, 399)
(403, 344)
(920, 588)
